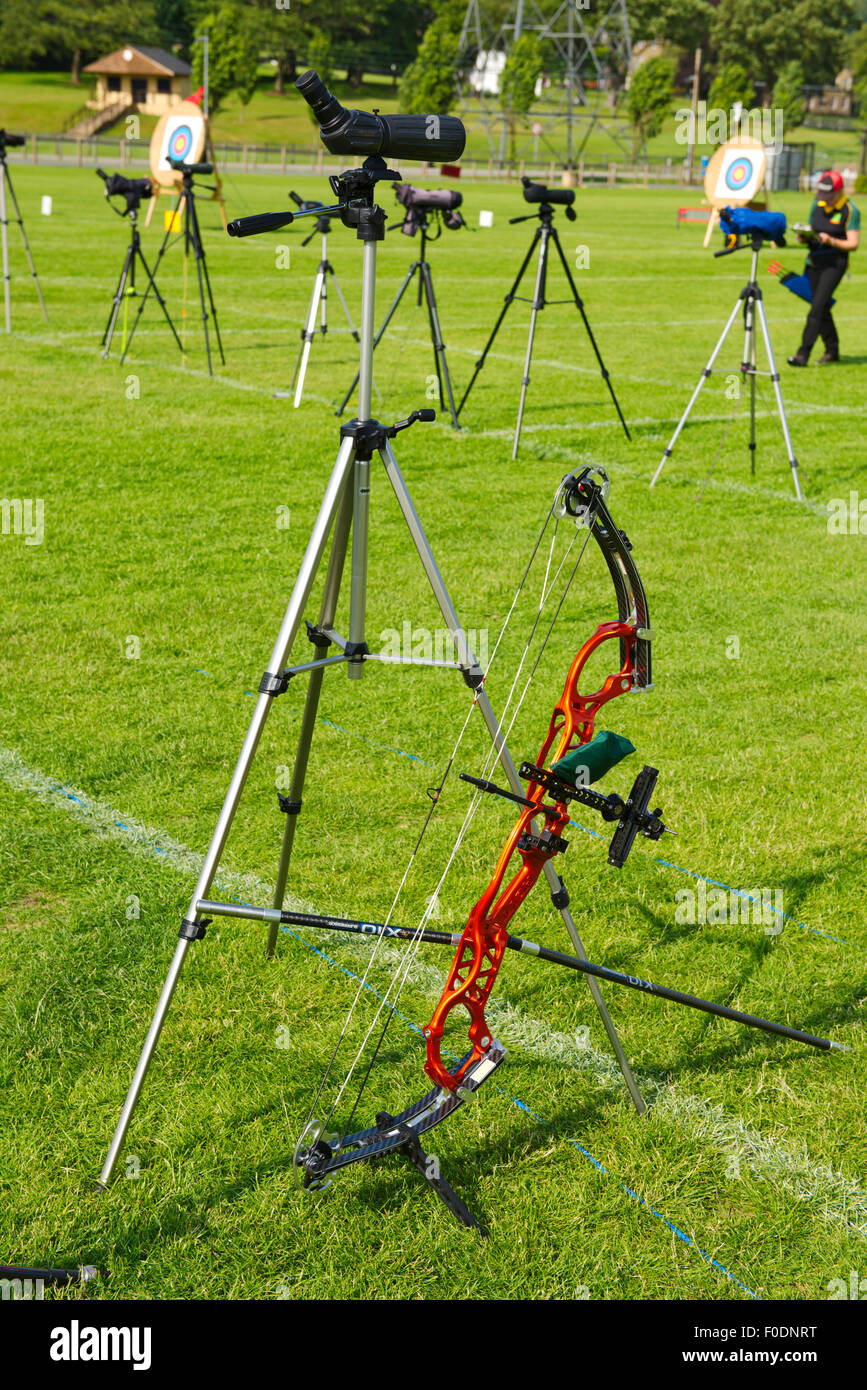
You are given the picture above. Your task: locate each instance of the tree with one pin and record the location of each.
(319, 57)
(787, 96)
(648, 100)
(730, 86)
(174, 22)
(518, 82)
(683, 23)
(857, 60)
(760, 35)
(74, 32)
(233, 59)
(428, 84)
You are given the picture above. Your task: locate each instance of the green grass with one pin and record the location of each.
(161, 491)
(40, 102)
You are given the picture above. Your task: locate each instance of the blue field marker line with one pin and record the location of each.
(540, 1120)
(665, 863)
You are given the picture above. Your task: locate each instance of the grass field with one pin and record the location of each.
(134, 633)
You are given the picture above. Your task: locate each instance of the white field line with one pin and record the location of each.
(833, 1197)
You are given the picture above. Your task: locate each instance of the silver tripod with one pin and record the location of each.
(345, 507)
(318, 309)
(6, 184)
(753, 306)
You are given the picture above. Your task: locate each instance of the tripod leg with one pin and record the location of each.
(191, 928)
(19, 219)
(502, 314)
(4, 231)
(116, 303)
(152, 279)
(748, 369)
(327, 612)
(468, 662)
(199, 255)
(580, 307)
(352, 327)
(775, 381)
(694, 397)
(308, 333)
(538, 303)
(386, 321)
(152, 285)
(438, 344)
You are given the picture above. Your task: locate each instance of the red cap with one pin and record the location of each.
(830, 187)
(198, 97)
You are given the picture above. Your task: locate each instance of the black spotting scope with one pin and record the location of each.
(364, 133)
(539, 193)
(184, 168)
(133, 190)
(7, 139)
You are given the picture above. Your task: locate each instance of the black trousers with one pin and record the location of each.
(824, 279)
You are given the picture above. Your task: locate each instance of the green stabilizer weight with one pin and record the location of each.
(592, 760)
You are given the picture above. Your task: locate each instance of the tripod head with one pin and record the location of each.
(354, 188)
(131, 190)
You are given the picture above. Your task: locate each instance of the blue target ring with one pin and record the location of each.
(181, 142)
(739, 174)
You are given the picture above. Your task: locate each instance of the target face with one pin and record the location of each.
(736, 173)
(179, 135)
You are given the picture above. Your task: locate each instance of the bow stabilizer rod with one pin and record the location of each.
(357, 927)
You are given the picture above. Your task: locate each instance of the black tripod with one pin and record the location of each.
(126, 284)
(6, 183)
(545, 232)
(425, 287)
(192, 241)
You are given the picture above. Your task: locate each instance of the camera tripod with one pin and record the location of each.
(421, 267)
(126, 287)
(318, 309)
(6, 186)
(545, 233)
(753, 306)
(345, 506)
(186, 199)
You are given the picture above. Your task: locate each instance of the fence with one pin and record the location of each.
(281, 159)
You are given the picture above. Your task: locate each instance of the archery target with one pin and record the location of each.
(179, 135)
(735, 173)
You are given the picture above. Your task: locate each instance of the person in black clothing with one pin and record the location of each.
(835, 231)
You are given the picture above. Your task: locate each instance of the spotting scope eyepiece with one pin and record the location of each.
(365, 133)
(540, 193)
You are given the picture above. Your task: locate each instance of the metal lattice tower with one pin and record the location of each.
(582, 50)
